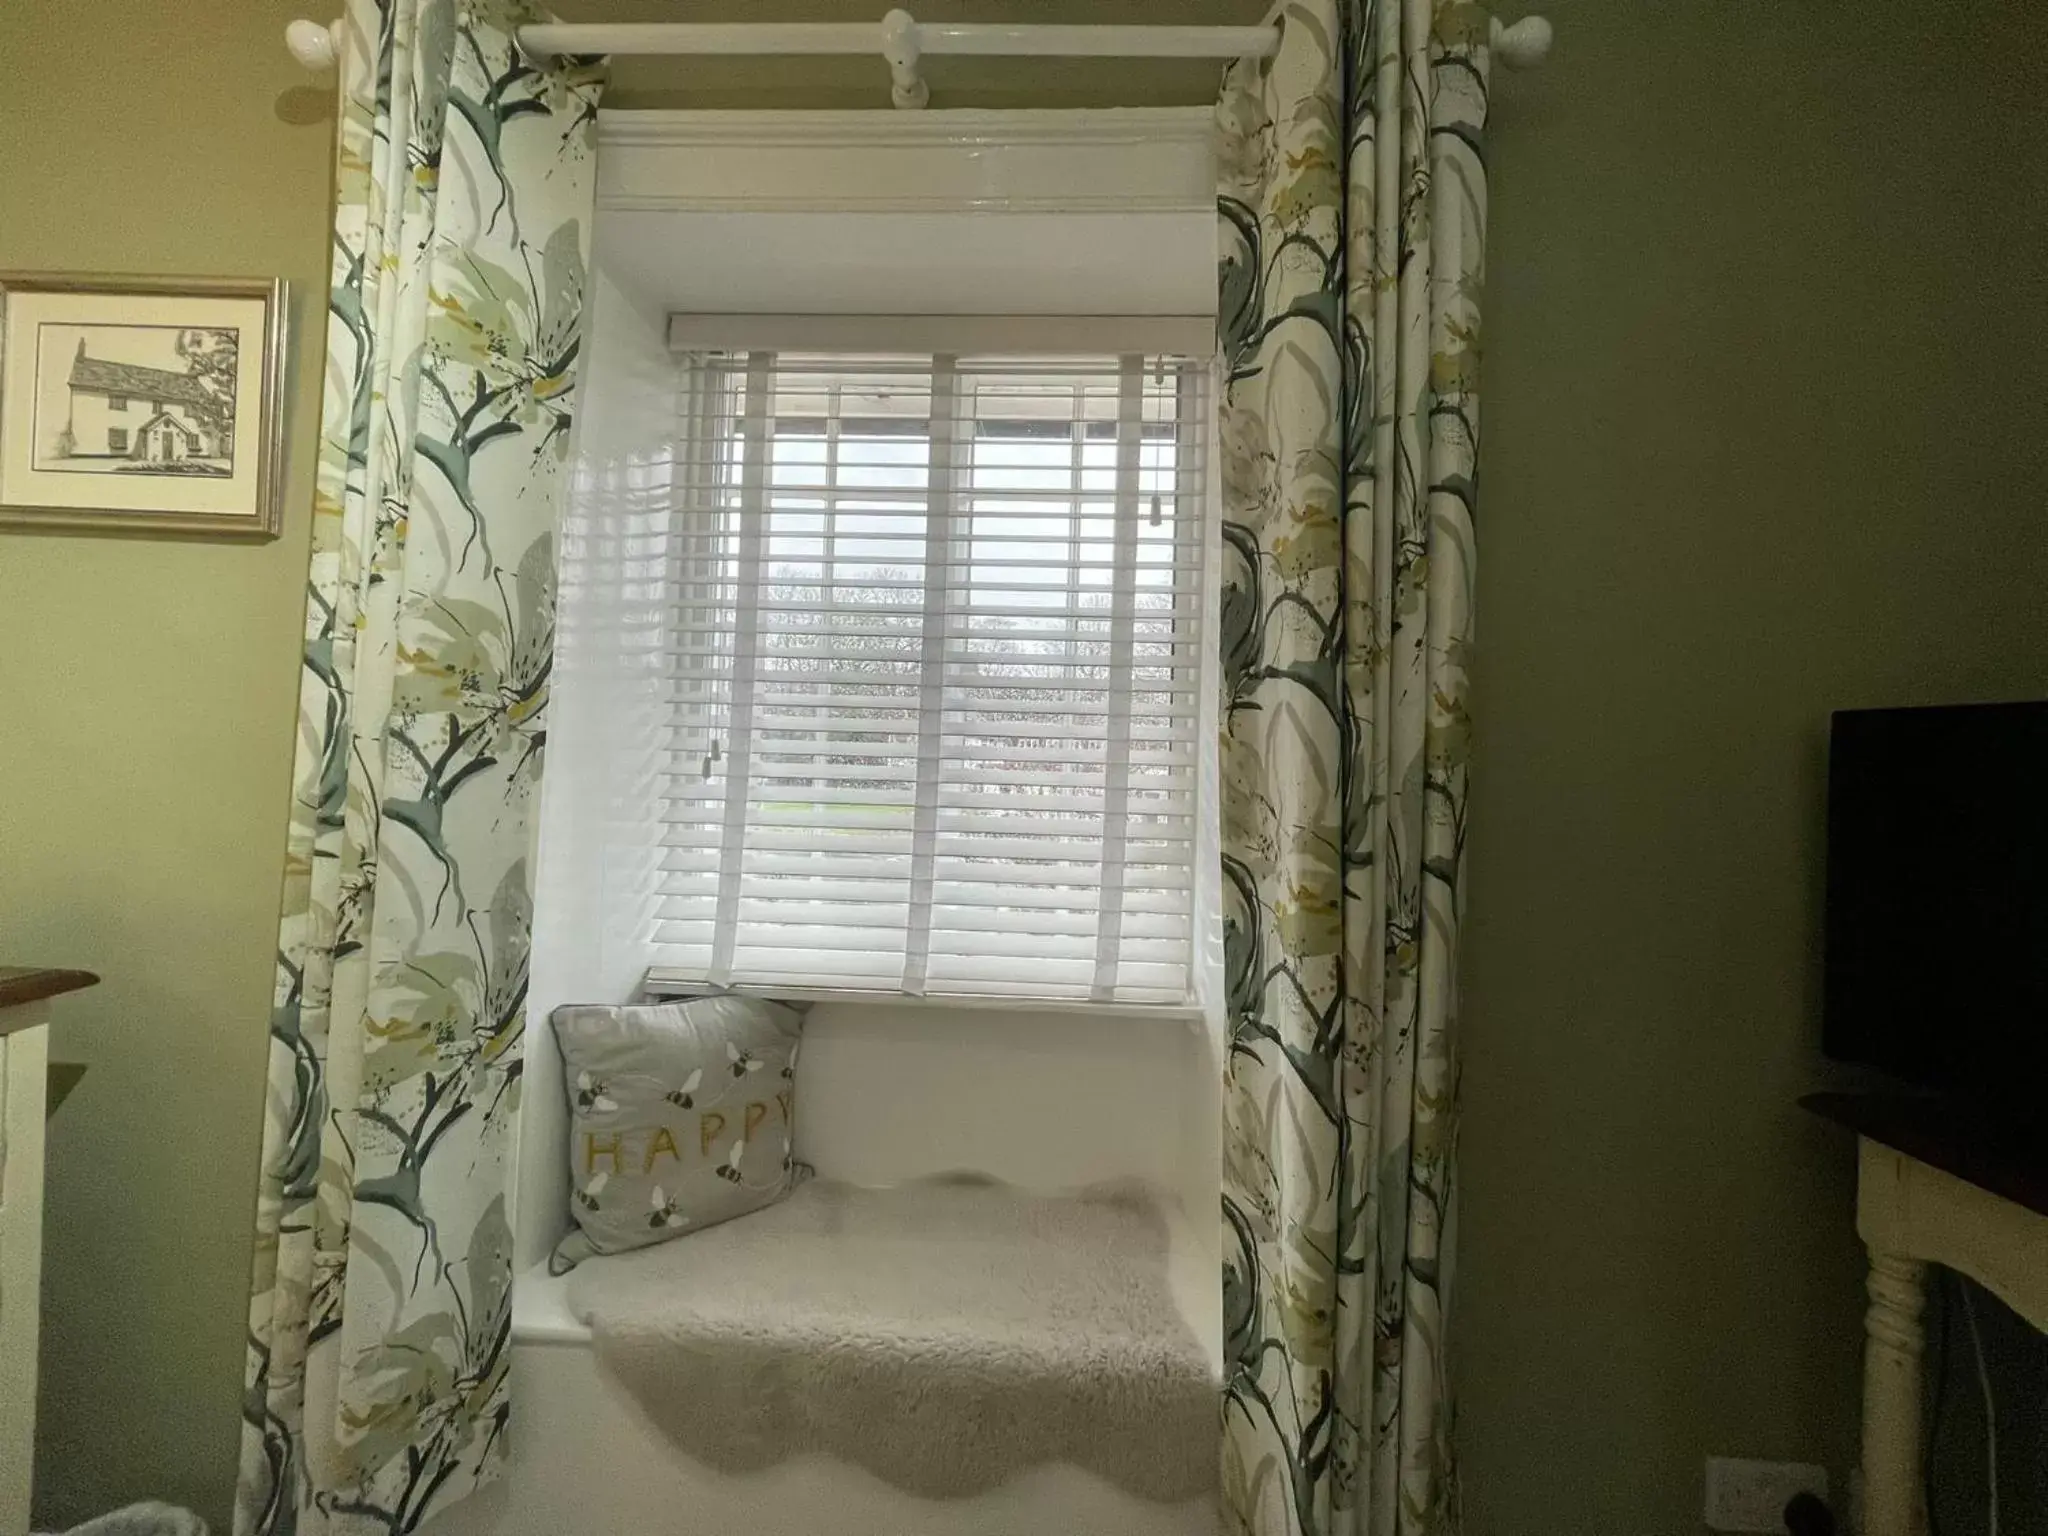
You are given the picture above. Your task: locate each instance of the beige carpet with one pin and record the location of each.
(945, 1335)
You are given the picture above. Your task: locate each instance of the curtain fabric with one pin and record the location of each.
(379, 1320)
(1352, 206)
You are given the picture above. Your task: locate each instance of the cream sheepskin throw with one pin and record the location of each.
(945, 1335)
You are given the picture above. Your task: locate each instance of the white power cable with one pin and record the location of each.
(1990, 1411)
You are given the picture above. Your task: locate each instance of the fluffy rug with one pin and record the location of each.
(143, 1520)
(945, 1335)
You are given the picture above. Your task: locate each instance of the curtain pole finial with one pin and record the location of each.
(316, 45)
(1523, 44)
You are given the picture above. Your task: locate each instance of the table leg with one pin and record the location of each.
(1892, 1502)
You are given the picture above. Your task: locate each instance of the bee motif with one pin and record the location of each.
(743, 1062)
(665, 1213)
(685, 1097)
(587, 1195)
(729, 1170)
(593, 1096)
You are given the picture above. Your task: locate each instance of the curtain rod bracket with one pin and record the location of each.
(901, 47)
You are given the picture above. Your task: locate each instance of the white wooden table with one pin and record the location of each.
(1910, 1214)
(24, 1072)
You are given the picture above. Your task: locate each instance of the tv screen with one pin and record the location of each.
(1937, 899)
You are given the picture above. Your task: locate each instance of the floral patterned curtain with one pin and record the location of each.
(1353, 209)
(379, 1321)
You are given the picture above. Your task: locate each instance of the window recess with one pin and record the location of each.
(935, 631)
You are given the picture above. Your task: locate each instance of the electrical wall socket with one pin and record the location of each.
(1752, 1495)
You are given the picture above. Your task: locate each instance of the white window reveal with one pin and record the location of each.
(933, 721)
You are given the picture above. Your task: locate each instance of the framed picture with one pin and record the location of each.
(141, 404)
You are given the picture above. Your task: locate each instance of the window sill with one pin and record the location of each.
(541, 1313)
(661, 983)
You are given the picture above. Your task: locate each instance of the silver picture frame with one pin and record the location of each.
(138, 405)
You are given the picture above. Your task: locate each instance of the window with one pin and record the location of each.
(117, 439)
(117, 402)
(936, 652)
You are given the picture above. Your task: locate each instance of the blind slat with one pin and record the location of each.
(686, 865)
(854, 894)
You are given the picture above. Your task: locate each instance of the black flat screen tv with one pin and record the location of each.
(1937, 902)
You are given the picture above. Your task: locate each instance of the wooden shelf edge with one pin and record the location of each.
(1944, 1135)
(24, 984)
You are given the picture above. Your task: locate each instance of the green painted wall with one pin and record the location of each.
(1766, 328)
(1764, 438)
(147, 688)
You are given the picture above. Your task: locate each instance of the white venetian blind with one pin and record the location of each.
(935, 666)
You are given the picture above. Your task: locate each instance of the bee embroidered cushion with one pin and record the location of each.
(679, 1117)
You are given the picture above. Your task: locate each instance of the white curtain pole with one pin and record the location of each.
(902, 40)
(987, 38)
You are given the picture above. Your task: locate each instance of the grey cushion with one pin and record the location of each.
(680, 1117)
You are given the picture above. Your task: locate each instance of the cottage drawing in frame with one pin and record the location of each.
(141, 404)
(124, 416)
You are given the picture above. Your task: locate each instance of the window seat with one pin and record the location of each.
(944, 1335)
